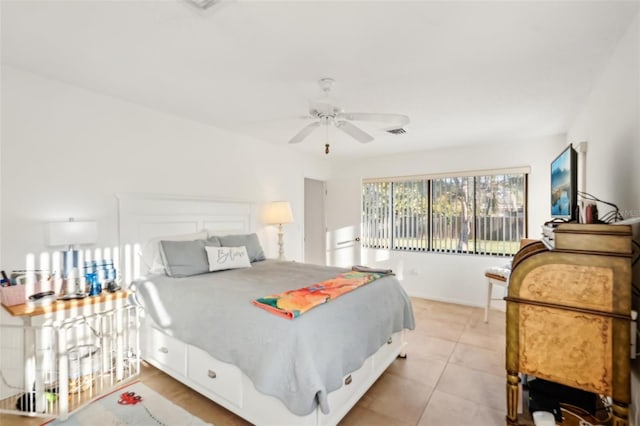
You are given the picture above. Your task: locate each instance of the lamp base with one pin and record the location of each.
(70, 260)
(280, 244)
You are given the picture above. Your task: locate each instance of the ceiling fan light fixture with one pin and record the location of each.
(330, 112)
(318, 108)
(399, 131)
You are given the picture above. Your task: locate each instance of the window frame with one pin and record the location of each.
(473, 234)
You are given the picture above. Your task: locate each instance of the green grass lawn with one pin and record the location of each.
(445, 244)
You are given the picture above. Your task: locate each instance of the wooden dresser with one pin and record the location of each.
(568, 314)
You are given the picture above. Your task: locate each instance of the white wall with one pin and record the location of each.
(610, 123)
(454, 278)
(66, 151)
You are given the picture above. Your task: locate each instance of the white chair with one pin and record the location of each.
(500, 275)
(495, 276)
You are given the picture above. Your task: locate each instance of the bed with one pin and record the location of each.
(203, 330)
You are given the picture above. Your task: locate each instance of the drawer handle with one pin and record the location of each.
(164, 350)
(211, 374)
(390, 341)
(348, 380)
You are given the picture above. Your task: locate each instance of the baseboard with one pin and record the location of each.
(446, 300)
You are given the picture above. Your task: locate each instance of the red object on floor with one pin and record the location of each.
(129, 398)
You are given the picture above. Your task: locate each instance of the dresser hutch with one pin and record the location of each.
(569, 312)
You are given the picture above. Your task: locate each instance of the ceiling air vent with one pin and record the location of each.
(399, 131)
(202, 4)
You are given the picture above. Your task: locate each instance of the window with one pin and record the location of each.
(410, 215)
(500, 222)
(452, 214)
(376, 214)
(477, 214)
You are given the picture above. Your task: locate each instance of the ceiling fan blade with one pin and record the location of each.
(354, 132)
(395, 119)
(306, 131)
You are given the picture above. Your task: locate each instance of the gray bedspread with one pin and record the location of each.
(298, 361)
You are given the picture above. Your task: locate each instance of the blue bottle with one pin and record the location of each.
(94, 286)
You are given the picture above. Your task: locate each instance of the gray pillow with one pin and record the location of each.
(250, 241)
(185, 258)
(213, 241)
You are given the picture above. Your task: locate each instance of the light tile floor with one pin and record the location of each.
(453, 376)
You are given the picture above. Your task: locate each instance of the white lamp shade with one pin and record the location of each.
(278, 213)
(70, 233)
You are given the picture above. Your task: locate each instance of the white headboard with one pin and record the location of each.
(142, 217)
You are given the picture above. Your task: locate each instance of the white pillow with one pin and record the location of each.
(151, 255)
(227, 258)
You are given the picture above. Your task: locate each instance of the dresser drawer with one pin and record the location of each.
(606, 238)
(219, 377)
(353, 385)
(166, 350)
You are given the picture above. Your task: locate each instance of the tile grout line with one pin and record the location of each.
(437, 382)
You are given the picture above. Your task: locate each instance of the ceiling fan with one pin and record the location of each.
(329, 112)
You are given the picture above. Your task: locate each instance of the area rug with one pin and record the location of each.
(153, 410)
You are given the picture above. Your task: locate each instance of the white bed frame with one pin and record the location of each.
(144, 216)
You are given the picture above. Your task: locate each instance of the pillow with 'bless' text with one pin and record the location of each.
(221, 258)
(250, 241)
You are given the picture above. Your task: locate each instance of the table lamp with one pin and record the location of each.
(279, 213)
(69, 234)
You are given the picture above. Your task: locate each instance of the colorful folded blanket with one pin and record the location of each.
(293, 303)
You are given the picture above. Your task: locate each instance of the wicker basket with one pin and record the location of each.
(84, 363)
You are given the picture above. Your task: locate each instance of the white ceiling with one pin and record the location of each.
(464, 72)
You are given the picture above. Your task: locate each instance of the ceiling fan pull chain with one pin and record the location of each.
(326, 145)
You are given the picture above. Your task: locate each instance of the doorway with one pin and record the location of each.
(315, 250)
